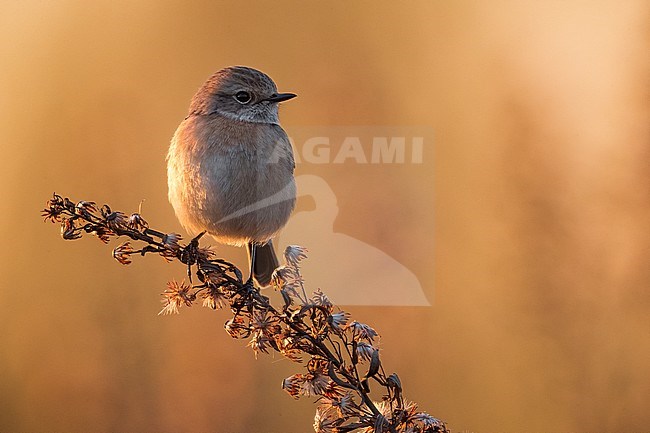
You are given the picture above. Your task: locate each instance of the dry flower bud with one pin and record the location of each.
(84, 208)
(136, 222)
(285, 277)
(122, 253)
(288, 347)
(294, 254)
(54, 209)
(116, 220)
(259, 342)
(102, 233)
(393, 382)
(315, 384)
(293, 384)
(51, 214)
(236, 328)
(343, 405)
(375, 363)
(321, 299)
(171, 240)
(318, 365)
(333, 390)
(338, 320)
(205, 253)
(326, 421)
(428, 423)
(168, 254)
(69, 231)
(365, 350)
(362, 331)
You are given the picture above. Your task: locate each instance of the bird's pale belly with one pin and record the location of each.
(235, 198)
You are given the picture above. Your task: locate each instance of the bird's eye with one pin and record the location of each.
(243, 97)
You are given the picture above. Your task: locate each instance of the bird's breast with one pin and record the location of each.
(233, 179)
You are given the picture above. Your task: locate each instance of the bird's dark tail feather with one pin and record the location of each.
(265, 262)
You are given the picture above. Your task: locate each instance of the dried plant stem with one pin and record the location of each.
(340, 355)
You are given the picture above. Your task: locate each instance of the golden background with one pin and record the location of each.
(538, 180)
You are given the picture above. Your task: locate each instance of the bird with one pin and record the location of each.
(230, 166)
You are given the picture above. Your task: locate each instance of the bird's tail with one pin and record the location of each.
(265, 262)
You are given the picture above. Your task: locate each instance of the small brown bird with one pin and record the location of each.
(230, 165)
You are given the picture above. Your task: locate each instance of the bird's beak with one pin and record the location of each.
(279, 97)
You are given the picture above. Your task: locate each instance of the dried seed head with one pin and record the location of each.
(69, 231)
(259, 342)
(103, 233)
(175, 296)
(288, 347)
(338, 320)
(321, 299)
(365, 350)
(168, 254)
(115, 220)
(375, 363)
(393, 382)
(427, 423)
(214, 298)
(284, 276)
(122, 253)
(315, 384)
(334, 390)
(294, 254)
(293, 385)
(85, 208)
(205, 253)
(343, 405)
(385, 409)
(318, 365)
(171, 240)
(326, 421)
(136, 222)
(361, 331)
(236, 327)
(54, 208)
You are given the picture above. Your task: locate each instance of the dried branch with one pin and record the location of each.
(341, 356)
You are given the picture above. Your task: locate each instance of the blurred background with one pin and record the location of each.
(528, 223)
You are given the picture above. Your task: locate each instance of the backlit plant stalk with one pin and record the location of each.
(340, 355)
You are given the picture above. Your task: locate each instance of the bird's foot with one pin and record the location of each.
(250, 283)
